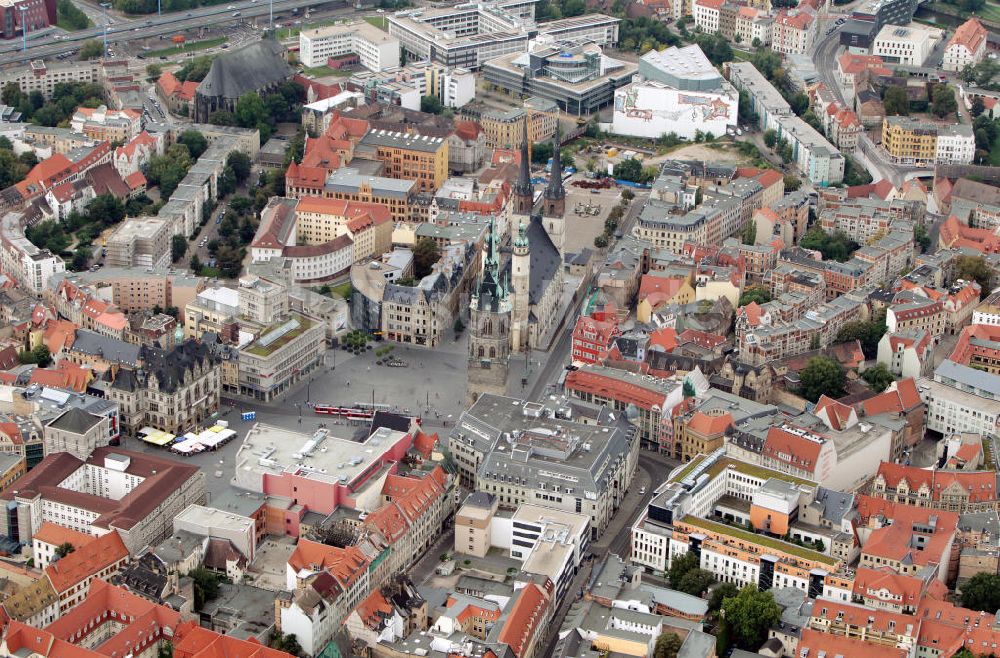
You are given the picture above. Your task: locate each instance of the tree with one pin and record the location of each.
(668, 645)
(869, 333)
(195, 264)
(821, 376)
(974, 268)
(758, 294)
(12, 169)
(42, 356)
(921, 237)
(425, 254)
(252, 113)
(195, 141)
(64, 549)
(770, 138)
(206, 586)
(541, 152)
(748, 615)
(431, 104)
(679, 567)
(195, 70)
(106, 210)
(229, 260)
(630, 170)
(696, 581)
(11, 94)
(792, 183)
(91, 50)
(982, 592)
(978, 107)
(178, 247)
(943, 100)
(895, 101)
(721, 593)
(240, 164)
(836, 246)
(165, 650)
(601, 241)
(878, 377)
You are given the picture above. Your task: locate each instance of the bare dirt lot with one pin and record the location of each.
(727, 154)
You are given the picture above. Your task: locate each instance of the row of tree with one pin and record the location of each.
(66, 97)
(70, 16)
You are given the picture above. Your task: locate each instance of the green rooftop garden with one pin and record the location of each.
(742, 467)
(761, 540)
(266, 350)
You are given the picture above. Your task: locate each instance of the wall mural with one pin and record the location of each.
(701, 108)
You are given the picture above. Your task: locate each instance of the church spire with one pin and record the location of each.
(555, 193)
(524, 191)
(555, 190)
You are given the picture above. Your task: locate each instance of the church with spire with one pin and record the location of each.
(515, 304)
(490, 325)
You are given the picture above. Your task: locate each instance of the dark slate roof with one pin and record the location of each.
(397, 422)
(76, 420)
(112, 349)
(247, 69)
(170, 367)
(545, 260)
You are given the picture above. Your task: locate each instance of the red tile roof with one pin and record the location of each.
(56, 535)
(980, 486)
(885, 584)
(86, 561)
(345, 564)
(614, 388)
(837, 413)
(794, 446)
(902, 397)
(815, 643)
(374, 610)
(970, 34)
(192, 641)
(706, 425)
(896, 541)
(525, 617)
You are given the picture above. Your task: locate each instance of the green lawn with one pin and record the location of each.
(344, 290)
(191, 46)
(377, 21)
(323, 71)
(990, 12)
(762, 540)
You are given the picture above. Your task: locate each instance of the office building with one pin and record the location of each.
(575, 75)
(910, 45)
(134, 494)
(375, 48)
(961, 399)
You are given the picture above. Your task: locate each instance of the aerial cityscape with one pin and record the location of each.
(499, 329)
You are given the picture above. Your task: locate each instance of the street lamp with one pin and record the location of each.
(105, 5)
(24, 26)
(271, 3)
(159, 11)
